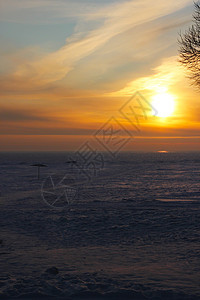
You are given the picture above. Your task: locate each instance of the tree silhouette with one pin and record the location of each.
(190, 48)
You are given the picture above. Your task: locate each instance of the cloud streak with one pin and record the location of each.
(115, 49)
(117, 19)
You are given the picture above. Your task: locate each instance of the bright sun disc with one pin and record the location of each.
(164, 105)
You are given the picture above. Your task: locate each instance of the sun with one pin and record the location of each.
(164, 104)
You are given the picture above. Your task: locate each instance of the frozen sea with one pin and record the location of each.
(129, 230)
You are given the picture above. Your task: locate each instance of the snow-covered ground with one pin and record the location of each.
(132, 232)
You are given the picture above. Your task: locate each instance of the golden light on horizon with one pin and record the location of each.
(164, 104)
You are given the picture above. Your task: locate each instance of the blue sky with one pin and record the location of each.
(64, 59)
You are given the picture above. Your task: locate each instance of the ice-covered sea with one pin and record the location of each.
(131, 231)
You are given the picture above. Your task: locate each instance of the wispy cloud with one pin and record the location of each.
(164, 76)
(42, 11)
(117, 19)
(117, 47)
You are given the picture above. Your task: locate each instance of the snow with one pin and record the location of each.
(115, 240)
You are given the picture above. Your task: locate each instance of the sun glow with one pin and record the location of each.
(164, 104)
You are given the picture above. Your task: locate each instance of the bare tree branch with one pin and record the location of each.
(189, 49)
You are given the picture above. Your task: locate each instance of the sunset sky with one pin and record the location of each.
(68, 66)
